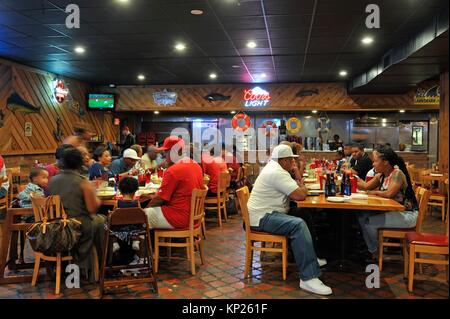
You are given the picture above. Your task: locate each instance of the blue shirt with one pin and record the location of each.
(119, 166)
(97, 170)
(25, 195)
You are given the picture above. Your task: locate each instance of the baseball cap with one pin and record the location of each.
(282, 151)
(130, 153)
(170, 142)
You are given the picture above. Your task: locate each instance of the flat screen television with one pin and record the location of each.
(101, 101)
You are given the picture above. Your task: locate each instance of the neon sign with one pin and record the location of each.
(256, 97)
(60, 91)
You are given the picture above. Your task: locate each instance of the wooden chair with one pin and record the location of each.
(252, 236)
(14, 182)
(55, 210)
(5, 202)
(430, 244)
(121, 217)
(399, 233)
(219, 203)
(192, 234)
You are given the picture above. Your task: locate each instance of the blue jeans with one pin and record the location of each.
(371, 222)
(297, 231)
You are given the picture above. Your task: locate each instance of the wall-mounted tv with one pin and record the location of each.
(101, 101)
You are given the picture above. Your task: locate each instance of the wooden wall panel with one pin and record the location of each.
(35, 87)
(332, 96)
(443, 124)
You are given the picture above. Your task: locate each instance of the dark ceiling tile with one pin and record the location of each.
(12, 18)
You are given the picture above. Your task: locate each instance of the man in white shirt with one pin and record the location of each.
(268, 206)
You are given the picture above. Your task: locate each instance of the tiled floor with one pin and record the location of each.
(222, 276)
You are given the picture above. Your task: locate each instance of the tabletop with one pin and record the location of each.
(372, 203)
(434, 178)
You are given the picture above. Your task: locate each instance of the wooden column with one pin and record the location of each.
(443, 123)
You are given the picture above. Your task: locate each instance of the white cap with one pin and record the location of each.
(282, 151)
(130, 153)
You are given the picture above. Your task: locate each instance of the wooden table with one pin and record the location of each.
(373, 203)
(142, 199)
(439, 179)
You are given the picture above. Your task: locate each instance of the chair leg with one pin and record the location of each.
(58, 274)
(225, 214)
(262, 254)
(405, 259)
(201, 251)
(284, 259)
(192, 255)
(169, 249)
(104, 261)
(37, 263)
(443, 211)
(248, 258)
(156, 253)
(380, 251)
(95, 264)
(412, 257)
(203, 228)
(420, 265)
(219, 214)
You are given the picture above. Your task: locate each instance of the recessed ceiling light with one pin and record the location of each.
(233, 112)
(251, 44)
(122, 1)
(112, 85)
(343, 73)
(79, 50)
(367, 40)
(156, 112)
(180, 46)
(197, 12)
(213, 76)
(384, 120)
(383, 124)
(402, 111)
(263, 75)
(314, 111)
(235, 66)
(141, 77)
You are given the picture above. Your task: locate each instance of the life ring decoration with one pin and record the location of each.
(241, 122)
(269, 126)
(323, 125)
(294, 125)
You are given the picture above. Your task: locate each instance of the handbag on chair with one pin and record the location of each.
(52, 236)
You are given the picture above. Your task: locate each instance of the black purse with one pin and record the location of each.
(52, 236)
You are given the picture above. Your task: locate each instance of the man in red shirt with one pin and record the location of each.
(212, 169)
(171, 207)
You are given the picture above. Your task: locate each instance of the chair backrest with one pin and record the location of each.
(197, 207)
(51, 204)
(422, 172)
(243, 195)
(419, 191)
(127, 216)
(224, 182)
(5, 202)
(423, 206)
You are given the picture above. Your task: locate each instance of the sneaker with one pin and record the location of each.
(116, 247)
(136, 261)
(322, 262)
(135, 245)
(315, 286)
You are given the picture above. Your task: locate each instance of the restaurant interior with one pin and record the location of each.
(96, 95)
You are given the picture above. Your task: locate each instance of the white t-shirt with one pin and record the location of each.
(270, 192)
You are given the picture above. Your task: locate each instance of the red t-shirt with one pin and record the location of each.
(211, 168)
(221, 162)
(1, 162)
(177, 185)
(234, 165)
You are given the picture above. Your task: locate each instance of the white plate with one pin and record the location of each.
(310, 180)
(313, 186)
(359, 196)
(315, 191)
(305, 174)
(106, 194)
(336, 199)
(436, 174)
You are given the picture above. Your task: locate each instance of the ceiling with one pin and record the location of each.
(297, 40)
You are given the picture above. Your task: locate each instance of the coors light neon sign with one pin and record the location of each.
(256, 97)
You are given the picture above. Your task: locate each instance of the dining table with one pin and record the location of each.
(344, 210)
(440, 178)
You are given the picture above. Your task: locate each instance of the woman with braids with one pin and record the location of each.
(391, 181)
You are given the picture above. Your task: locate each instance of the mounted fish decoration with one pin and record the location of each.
(304, 93)
(58, 132)
(214, 97)
(16, 103)
(2, 116)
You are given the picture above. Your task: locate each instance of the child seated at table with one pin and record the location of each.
(128, 187)
(38, 182)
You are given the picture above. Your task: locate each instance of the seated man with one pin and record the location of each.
(124, 166)
(363, 163)
(268, 206)
(152, 159)
(171, 207)
(212, 169)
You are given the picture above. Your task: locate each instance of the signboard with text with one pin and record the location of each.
(256, 97)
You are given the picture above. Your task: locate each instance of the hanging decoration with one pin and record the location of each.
(60, 89)
(269, 126)
(294, 125)
(241, 122)
(323, 124)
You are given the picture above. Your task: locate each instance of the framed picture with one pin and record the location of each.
(417, 135)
